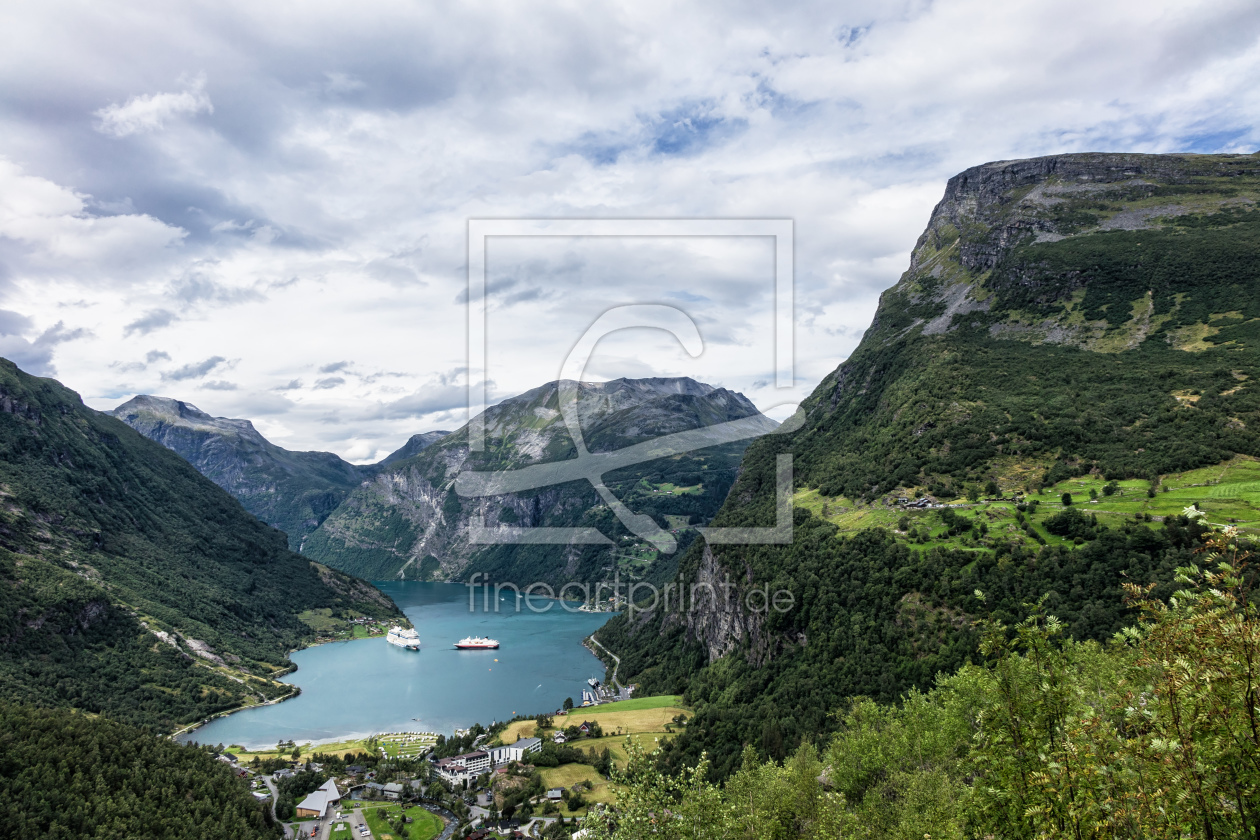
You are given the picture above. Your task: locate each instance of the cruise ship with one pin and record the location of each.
(477, 643)
(404, 637)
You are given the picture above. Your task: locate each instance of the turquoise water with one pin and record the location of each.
(352, 689)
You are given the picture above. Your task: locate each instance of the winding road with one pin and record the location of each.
(616, 662)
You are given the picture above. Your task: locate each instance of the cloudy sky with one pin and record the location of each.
(262, 207)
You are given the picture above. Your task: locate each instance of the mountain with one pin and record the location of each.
(413, 447)
(292, 491)
(136, 588)
(1051, 401)
(409, 520)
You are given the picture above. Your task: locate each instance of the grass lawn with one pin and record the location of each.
(642, 714)
(660, 701)
(628, 722)
(567, 775)
(616, 744)
(338, 748)
(1229, 493)
(424, 825)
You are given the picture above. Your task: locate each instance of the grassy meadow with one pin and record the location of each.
(1228, 493)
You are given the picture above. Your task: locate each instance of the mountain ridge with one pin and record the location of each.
(408, 520)
(1066, 323)
(137, 588)
(291, 490)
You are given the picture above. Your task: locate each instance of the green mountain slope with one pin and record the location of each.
(136, 587)
(64, 775)
(408, 521)
(413, 447)
(1067, 324)
(292, 491)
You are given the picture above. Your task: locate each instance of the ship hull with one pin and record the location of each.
(476, 647)
(405, 645)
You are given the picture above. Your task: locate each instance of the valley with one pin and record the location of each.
(1050, 424)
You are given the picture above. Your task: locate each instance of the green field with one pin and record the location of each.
(567, 775)
(425, 824)
(660, 701)
(332, 628)
(1228, 493)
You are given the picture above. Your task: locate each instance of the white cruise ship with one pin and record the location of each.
(404, 638)
(477, 643)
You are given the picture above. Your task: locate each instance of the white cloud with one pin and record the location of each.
(47, 231)
(151, 111)
(321, 214)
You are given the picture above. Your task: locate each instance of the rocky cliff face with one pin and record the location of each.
(408, 521)
(990, 211)
(292, 491)
(413, 447)
(1060, 316)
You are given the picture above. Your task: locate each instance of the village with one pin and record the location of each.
(529, 777)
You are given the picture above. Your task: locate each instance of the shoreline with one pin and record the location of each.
(188, 731)
(297, 690)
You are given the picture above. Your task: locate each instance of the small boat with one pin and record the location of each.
(477, 643)
(404, 637)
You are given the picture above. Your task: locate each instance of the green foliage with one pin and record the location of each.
(65, 776)
(1122, 355)
(292, 491)
(878, 618)
(1153, 735)
(102, 530)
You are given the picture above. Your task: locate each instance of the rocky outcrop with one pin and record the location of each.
(409, 517)
(292, 491)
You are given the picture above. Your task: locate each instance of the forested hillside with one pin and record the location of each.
(136, 587)
(1075, 335)
(1153, 735)
(292, 491)
(410, 522)
(65, 776)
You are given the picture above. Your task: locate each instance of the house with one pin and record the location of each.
(318, 803)
(586, 726)
(356, 769)
(369, 790)
(393, 790)
(555, 794)
(559, 737)
(515, 752)
(459, 768)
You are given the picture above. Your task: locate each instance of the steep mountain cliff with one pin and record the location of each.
(409, 521)
(291, 491)
(413, 447)
(134, 586)
(1065, 372)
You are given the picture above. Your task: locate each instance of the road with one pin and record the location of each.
(275, 795)
(616, 662)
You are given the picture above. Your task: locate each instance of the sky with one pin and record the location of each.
(262, 208)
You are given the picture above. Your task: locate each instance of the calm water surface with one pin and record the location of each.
(366, 686)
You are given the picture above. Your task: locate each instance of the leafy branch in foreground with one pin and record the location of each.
(1154, 735)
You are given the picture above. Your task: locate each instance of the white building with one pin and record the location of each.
(458, 768)
(515, 752)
